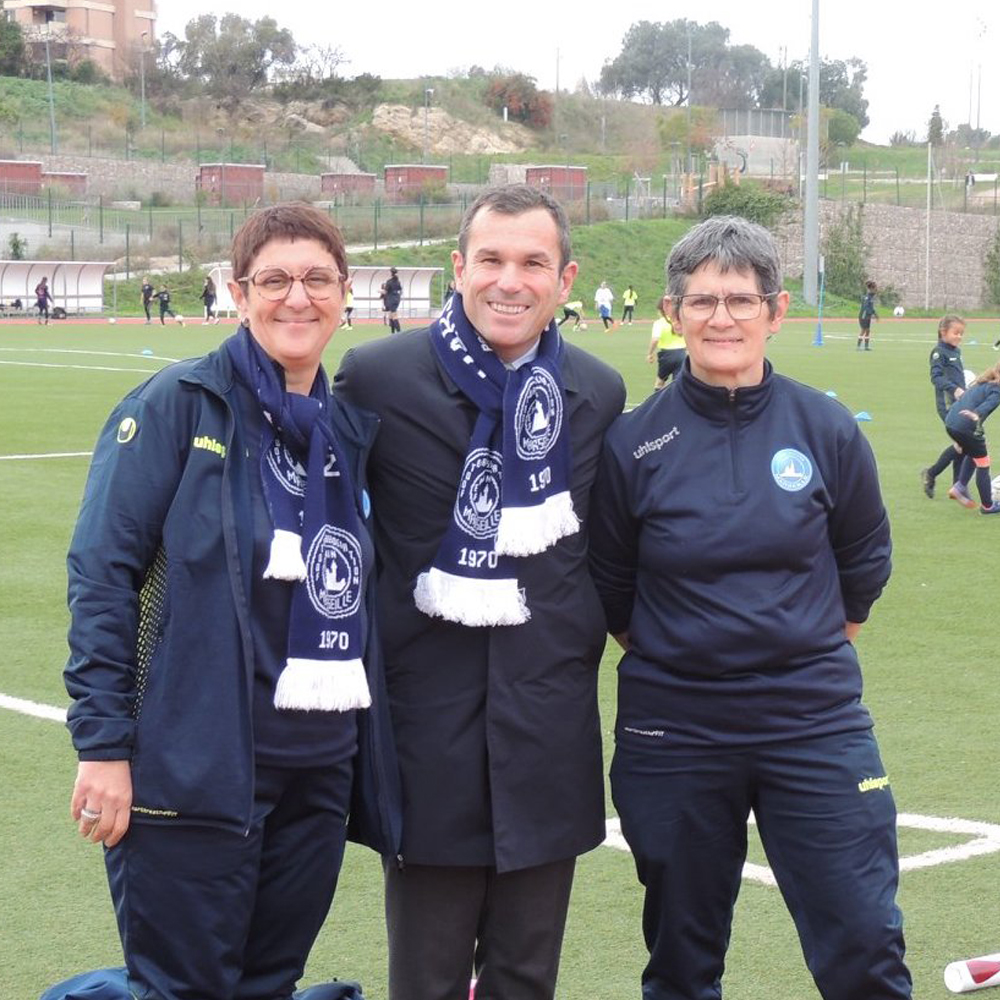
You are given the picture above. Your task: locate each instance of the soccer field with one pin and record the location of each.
(928, 654)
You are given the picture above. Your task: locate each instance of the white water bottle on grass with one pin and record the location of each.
(973, 974)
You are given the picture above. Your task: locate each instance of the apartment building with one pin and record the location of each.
(110, 32)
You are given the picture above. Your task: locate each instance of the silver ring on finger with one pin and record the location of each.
(90, 815)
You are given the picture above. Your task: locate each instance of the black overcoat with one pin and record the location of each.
(497, 729)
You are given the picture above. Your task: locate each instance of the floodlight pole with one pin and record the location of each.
(811, 234)
(427, 102)
(142, 79)
(687, 152)
(927, 229)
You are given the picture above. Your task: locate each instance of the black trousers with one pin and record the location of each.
(210, 914)
(827, 820)
(447, 923)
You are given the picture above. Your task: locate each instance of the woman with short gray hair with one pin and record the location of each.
(738, 542)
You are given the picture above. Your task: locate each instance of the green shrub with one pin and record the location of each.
(747, 200)
(17, 246)
(889, 296)
(846, 254)
(991, 271)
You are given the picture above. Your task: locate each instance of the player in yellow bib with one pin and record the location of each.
(629, 298)
(574, 311)
(348, 305)
(668, 349)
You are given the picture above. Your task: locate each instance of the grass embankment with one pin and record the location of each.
(621, 253)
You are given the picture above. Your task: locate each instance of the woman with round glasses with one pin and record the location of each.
(228, 703)
(738, 541)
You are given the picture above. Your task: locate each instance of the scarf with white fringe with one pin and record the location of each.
(315, 547)
(513, 495)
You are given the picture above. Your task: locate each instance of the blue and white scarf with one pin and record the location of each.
(514, 492)
(310, 496)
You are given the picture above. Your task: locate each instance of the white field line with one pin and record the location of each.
(53, 454)
(76, 350)
(85, 368)
(983, 838)
(38, 710)
(890, 340)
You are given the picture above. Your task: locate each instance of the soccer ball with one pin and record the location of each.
(111, 319)
(180, 318)
(583, 326)
(899, 311)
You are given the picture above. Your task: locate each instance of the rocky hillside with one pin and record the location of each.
(445, 134)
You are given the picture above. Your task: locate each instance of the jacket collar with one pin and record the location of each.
(215, 373)
(719, 403)
(567, 365)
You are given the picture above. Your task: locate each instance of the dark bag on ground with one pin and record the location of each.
(112, 984)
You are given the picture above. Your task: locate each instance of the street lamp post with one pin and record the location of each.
(427, 101)
(220, 132)
(142, 79)
(52, 103)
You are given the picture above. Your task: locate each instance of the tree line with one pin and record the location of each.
(658, 60)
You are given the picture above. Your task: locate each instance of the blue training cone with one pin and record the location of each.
(818, 338)
(862, 415)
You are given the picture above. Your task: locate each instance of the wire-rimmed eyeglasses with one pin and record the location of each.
(275, 283)
(739, 305)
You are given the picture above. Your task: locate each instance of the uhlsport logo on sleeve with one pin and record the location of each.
(791, 470)
(285, 469)
(538, 415)
(477, 506)
(333, 572)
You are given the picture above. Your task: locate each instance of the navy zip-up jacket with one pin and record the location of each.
(161, 659)
(947, 375)
(734, 535)
(981, 399)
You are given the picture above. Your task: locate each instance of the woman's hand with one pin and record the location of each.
(102, 800)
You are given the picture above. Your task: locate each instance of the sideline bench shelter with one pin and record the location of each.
(75, 285)
(365, 283)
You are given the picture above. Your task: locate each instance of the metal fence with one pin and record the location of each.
(73, 229)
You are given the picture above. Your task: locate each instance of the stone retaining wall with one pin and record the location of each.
(897, 240)
(126, 179)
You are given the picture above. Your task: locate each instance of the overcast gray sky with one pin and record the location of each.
(918, 54)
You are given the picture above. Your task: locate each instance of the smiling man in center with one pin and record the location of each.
(491, 428)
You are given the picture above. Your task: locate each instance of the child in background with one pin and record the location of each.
(574, 311)
(629, 299)
(43, 297)
(668, 348)
(866, 315)
(948, 379)
(349, 305)
(163, 296)
(604, 300)
(965, 427)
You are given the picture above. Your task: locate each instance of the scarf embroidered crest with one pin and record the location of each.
(315, 547)
(513, 495)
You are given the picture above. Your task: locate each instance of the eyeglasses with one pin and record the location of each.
(739, 305)
(275, 283)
